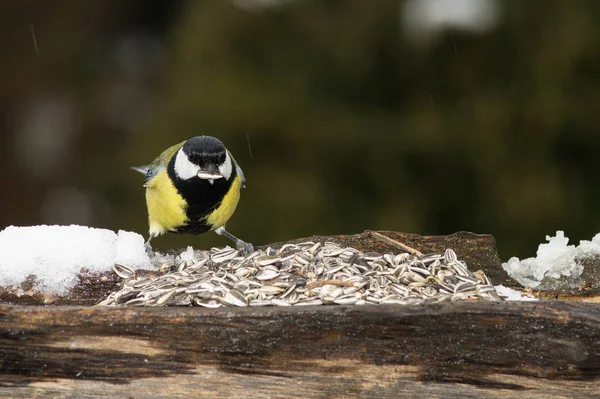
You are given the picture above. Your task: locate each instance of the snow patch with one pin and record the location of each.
(557, 265)
(56, 254)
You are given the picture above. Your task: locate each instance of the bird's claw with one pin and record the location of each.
(244, 246)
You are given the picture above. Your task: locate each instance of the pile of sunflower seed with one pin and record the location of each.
(303, 274)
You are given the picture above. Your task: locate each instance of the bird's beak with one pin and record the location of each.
(207, 175)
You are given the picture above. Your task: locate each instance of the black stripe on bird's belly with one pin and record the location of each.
(202, 198)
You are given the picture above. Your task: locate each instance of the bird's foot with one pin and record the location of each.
(244, 246)
(239, 244)
(148, 249)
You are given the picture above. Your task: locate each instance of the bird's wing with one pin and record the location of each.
(241, 172)
(159, 163)
(238, 170)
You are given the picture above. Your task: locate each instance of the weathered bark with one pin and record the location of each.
(90, 289)
(483, 349)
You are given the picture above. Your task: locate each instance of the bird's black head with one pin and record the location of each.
(204, 157)
(204, 150)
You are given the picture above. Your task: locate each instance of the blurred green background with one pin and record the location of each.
(420, 116)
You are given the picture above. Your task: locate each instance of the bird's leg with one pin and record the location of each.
(148, 247)
(239, 244)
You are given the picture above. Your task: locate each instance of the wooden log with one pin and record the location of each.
(451, 350)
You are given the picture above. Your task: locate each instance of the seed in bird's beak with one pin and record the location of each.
(209, 176)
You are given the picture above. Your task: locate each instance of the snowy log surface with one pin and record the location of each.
(448, 350)
(478, 251)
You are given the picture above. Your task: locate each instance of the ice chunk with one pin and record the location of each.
(513, 295)
(557, 264)
(188, 255)
(55, 254)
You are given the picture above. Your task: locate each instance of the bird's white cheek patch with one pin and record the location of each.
(184, 169)
(226, 167)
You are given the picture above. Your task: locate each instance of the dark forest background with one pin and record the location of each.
(426, 117)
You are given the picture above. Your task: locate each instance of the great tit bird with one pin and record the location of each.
(193, 187)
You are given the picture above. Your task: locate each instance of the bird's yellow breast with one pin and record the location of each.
(223, 212)
(166, 208)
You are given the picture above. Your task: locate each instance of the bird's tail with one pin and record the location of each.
(142, 169)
